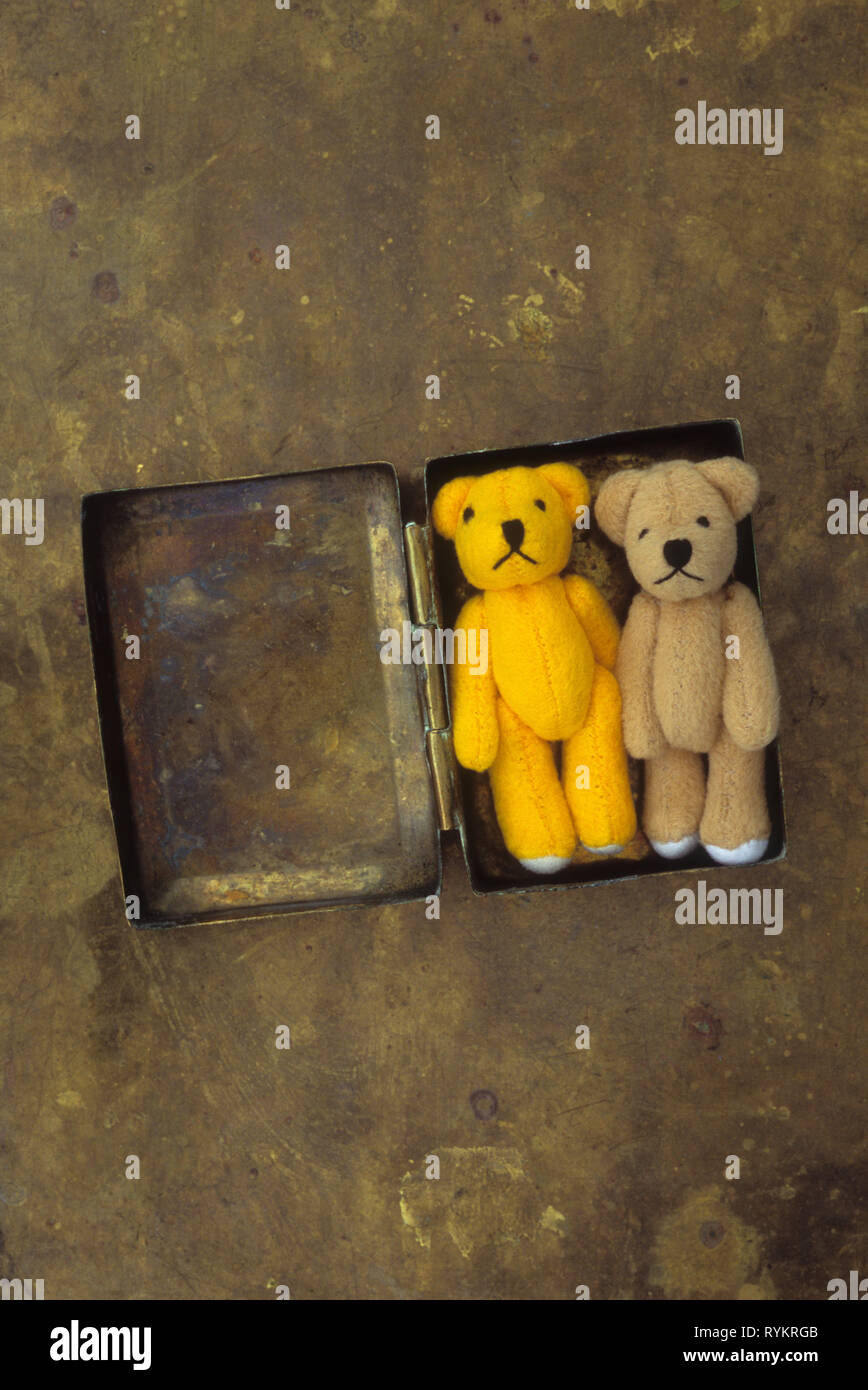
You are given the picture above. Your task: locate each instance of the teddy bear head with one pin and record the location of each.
(514, 526)
(677, 522)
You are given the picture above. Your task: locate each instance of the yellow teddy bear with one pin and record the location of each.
(552, 642)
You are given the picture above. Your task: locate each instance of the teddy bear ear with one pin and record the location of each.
(570, 482)
(449, 504)
(613, 502)
(737, 480)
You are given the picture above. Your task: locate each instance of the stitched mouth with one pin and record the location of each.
(679, 570)
(508, 556)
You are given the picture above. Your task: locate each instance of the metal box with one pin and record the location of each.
(260, 756)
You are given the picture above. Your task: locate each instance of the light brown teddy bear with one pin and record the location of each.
(687, 686)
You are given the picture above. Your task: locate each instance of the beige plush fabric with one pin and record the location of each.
(694, 666)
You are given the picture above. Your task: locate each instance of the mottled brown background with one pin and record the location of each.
(409, 257)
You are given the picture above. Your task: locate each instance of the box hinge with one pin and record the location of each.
(425, 613)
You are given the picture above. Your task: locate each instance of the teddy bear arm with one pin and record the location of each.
(475, 730)
(596, 617)
(634, 668)
(750, 691)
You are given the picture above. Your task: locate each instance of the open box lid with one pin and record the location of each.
(260, 755)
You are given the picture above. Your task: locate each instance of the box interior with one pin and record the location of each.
(491, 867)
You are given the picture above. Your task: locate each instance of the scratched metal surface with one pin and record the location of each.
(247, 632)
(412, 257)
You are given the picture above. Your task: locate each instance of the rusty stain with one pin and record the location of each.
(703, 1027)
(484, 1105)
(711, 1233)
(255, 256)
(105, 287)
(353, 38)
(493, 16)
(62, 213)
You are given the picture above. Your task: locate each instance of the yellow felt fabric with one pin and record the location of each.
(474, 698)
(531, 809)
(596, 617)
(552, 643)
(542, 659)
(600, 802)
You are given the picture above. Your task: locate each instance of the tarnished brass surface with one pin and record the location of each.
(413, 1034)
(417, 540)
(266, 757)
(442, 762)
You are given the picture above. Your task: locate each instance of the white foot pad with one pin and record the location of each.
(748, 853)
(603, 849)
(548, 864)
(674, 849)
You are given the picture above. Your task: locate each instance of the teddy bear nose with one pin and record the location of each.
(677, 553)
(513, 532)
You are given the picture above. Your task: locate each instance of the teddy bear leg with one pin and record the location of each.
(735, 826)
(673, 801)
(595, 777)
(530, 806)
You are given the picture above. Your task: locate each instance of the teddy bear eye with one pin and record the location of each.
(703, 521)
(540, 503)
(469, 513)
(643, 532)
